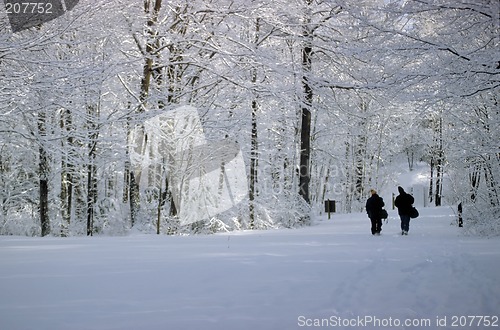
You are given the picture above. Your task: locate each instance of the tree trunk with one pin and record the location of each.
(93, 117)
(44, 174)
(439, 183)
(431, 180)
(348, 179)
(148, 72)
(90, 200)
(474, 181)
(411, 158)
(254, 139)
(67, 169)
(359, 170)
(491, 184)
(439, 164)
(3, 195)
(126, 170)
(253, 163)
(305, 129)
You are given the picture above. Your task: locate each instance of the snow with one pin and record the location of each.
(332, 272)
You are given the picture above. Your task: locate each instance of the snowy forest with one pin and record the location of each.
(327, 99)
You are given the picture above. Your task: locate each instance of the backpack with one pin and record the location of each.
(413, 213)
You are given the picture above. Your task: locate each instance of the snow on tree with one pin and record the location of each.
(324, 98)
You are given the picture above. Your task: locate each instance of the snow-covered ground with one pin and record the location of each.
(334, 274)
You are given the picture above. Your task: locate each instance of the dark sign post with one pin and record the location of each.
(329, 207)
(24, 14)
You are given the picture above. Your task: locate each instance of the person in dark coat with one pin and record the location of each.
(404, 203)
(374, 206)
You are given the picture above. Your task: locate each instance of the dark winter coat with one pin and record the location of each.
(374, 206)
(404, 202)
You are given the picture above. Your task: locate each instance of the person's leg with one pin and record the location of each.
(379, 225)
(405, 223)
(374, 226)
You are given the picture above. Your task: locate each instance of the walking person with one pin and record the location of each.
(374, 206)
(404, 203)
